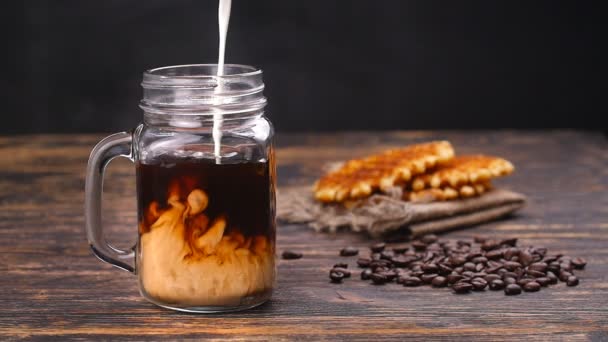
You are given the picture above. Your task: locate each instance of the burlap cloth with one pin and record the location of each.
(391, 218)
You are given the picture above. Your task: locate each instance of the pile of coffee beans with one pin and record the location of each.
(463, 266)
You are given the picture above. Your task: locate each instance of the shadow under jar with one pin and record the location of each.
(206, 214)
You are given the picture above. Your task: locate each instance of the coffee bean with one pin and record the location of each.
(375, 256)
(572, 281)
(538, 266)
(469, 266)
(363, 262)
(512, 265)
(479, 239)
(427, 278)
(479, 267)
(341, 265)
(510, 253)
(489, 245)
(409, 252)
(494, 254)
(509, 275)
(412, 281)
(509, 280)
(512, 289)
(416, 264)
(439, 281)
(336, 277)
(525, 258)
(554, 267)
(495, 269)
(400, 250)
(380, 269)
(494, 263)
(378, 278)
(564, 275)
(541, 251)
(448, 245)
(378, 247)
(497, 284)
(490, 277)
(566, 266)
(479, 275)
(479, 284)
(543, 281)
(531, 286)
(389, 274)
(480, 259)
(349, 251)
(462, 287)
(472, 255)
(401, 271)
(366, 274)
(453, 278)
(415, 268)
(463, 243)
(509, 242)
(552, 277)
(535, 274)
(344, 271)
(468, 274)
(387, 255)
(549, 258)
(419, 245)
(429, 239)
(379, 263)
(430, 268)
(428, 256)
(457, 260)
(401, 260)
(434, 247)
(444, 269)
(524, 281)
(579, 263)
(291, 255)
(417, 273)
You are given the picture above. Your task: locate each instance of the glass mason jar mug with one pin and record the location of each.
(206, 209)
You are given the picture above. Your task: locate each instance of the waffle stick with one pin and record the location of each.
(447, 193)
(359, 178)
(463, 170)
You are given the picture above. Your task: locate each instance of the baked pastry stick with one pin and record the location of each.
(446, 193)
(359, 178)
(463, 170)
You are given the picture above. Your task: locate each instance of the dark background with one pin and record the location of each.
(75, 66)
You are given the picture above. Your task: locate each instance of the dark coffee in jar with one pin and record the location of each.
(206, 230)
(241, 191)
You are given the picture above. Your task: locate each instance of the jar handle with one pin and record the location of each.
(115, 145)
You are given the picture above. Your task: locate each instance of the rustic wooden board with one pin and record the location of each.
(51, 287)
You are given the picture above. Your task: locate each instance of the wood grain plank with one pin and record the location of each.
(51, 287)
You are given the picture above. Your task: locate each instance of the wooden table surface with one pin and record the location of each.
(52, 287)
